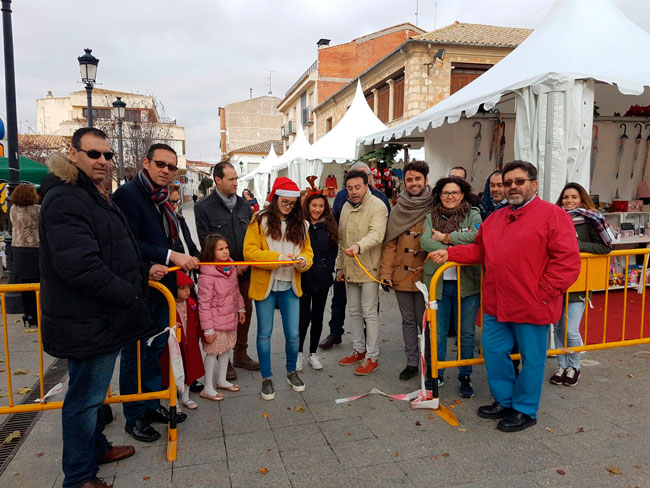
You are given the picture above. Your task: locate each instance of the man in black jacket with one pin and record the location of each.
(93, 288)
(224, 212)
(145, 203)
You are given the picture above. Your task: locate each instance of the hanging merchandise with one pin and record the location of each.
(502, 144)
(594, 152)
(619, 156)
(332, 185)
(477, 147)
(637, 145)
(647, 151)
(495, 135)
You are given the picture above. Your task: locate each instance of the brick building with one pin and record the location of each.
(334, 68)
(422, 71)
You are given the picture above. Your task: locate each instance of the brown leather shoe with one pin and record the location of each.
(245, 362)
(117, 453)
(231, 374)
(96, 483)
(329, 341)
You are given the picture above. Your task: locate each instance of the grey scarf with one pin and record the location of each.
(228, 202)
(407, 212)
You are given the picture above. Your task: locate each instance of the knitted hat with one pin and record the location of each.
(183, 279)
(284, 187)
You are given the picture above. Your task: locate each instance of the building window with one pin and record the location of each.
(132, 115)
(98, 113)
(463, 74)
(398, 98)
(383, 103)
(371, 101)
(328, 124)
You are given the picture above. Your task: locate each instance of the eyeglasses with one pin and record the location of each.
(174, 202)
(517, 181)
(287, 203)
(95, 154)
(450, 194)
(161, 164)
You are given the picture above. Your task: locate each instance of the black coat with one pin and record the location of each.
(146, 223)
(320, 275)
(93, 282)
(212, 217)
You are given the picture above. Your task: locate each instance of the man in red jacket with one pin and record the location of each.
(531, 257)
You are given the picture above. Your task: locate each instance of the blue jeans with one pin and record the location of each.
(448, 308)
(521, 392)
(289, 305)
(573, 337)
(84, 442)
(150, 368)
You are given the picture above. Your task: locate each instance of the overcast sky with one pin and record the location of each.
(196, 55)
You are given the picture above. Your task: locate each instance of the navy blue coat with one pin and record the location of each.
(320, 275)
(145, 221)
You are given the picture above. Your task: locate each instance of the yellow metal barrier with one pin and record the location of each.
(594, 276)
(169, 393)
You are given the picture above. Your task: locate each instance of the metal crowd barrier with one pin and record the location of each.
(594, 276)
(169, 393)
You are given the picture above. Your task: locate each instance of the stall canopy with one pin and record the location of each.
(260, 175)
(295, 160)
(30, 170)
(551, 75)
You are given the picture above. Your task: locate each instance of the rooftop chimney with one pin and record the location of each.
(49, 94)
(250, 90)
(323, 43)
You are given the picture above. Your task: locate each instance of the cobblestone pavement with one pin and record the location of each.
(596, 434)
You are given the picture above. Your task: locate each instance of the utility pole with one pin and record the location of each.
(10, 92)
(417, 5)
(269, 79)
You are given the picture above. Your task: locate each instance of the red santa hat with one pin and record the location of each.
(183, 279)
(284, 187)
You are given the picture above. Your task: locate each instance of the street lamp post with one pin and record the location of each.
(88, 66)
(241, 168)
(119, 110)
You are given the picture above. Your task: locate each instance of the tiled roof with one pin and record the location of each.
(44, 141)
(260, 148)
(477, 35)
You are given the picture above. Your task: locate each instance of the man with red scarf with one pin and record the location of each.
(144, 202)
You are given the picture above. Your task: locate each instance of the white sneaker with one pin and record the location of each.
(314, 361)
(299, 362)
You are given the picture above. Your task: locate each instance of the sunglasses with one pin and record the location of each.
(94, 154)
(174, 202)
(516, 181)
(161, 164)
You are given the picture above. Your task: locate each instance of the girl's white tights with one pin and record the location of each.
(185, 396)
(222, 369)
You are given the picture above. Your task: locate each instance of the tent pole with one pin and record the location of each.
(548, 149)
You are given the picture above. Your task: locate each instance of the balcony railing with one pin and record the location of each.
(311, 69)
(284, 130)
(292, 127)
(307, 116)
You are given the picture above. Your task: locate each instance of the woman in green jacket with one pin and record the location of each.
(453, 221)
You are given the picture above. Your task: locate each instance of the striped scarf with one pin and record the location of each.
(160, 196)
(582, 215)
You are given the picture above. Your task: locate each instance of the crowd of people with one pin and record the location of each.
(98, 251)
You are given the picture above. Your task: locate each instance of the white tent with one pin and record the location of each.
(551, 75)
(260, 175)
(294, 159)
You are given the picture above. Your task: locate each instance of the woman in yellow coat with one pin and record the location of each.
(278, 233)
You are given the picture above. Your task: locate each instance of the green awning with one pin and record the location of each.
(30, 170)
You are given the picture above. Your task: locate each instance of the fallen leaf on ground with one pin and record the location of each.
(630, 375)
(581, 429)
(24, 391)
(263, 470)
(269, 450)
(591, 383)
(446, 454)
(433, 458)
(146, 478)
(21, 371)
(458, 402)
(348, 433)
(418, 423)
(2, 395)
(637, 466)
(3, 370)
(452, 406)
(548, 429)
(30, 331)
(462, 430)
(613, 469)
(432, 417)
(397, 454)
(561, 472)
(40, 454)
(298, 409)
(16, 473)
(265, 415)
(14, 435)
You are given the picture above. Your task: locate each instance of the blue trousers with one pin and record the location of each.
(84, 442)
(150, 368)
(447, 309)
(523, 392)
(339, 301)
(289, 305)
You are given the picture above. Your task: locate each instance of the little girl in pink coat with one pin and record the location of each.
(221, 308)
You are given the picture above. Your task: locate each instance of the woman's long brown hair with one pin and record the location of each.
(332, 228)
(295, 223)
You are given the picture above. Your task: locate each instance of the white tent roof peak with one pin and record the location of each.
(578, 39)
(265, 166)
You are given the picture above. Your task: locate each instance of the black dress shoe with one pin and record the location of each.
(494, 411)
(515, 422)
(196, 387)
(329, 341)
(161, 415)
(408, 373)
(142, 431)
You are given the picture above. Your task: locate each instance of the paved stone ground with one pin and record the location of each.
(596, 434)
